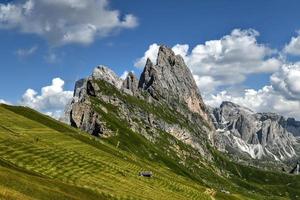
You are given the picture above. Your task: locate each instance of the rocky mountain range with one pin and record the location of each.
(146, 138)
(255, 135)
(166, 99)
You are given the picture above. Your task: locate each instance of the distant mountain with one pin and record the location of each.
(166, 99)
(41, 158)
(256, 135)
(147, 138)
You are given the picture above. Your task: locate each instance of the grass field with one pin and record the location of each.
(41, 158)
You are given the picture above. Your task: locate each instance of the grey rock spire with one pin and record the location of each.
(170, 80)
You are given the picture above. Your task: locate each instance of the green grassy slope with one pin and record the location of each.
(41, 158)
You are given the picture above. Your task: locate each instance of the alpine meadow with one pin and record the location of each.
(149, 100)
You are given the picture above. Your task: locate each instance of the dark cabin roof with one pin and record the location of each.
(146, 173)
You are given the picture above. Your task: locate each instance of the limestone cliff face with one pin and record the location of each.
(104, 73)
(130, 84)
(259, 135)
(164, 99)
(171, 80)
(81, 114)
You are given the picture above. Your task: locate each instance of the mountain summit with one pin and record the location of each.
(171, 80)
(164, 100)
(152, 138)
(256, 135)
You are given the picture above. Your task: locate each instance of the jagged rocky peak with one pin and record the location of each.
(234, 107)
(171, 80)
(130, 84)
(106, 74)
(168, 85)
(166, 57)
(80, 88)
(147, 77)
(257, 134)
(85, 86)
(236, 118)
(81, 114)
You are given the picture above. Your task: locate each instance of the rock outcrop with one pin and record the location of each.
(130, 84)
(164, 100)
(171, 80)
(259, 135)
(293, 126)
(81, 113)
(106, 74)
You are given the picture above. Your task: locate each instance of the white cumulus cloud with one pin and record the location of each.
(293, 47)
(223, 62)
(206, 84)
(51, 100)
(64, 21)
(238, 52)
(151, 53)
(220, 66)
(287, 81)
(181, 49)
(124, 75)
(265, 99)
(281, 96)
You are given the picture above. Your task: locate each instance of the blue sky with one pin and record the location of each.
(31, 59)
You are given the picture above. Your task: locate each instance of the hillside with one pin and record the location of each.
(158, 123)
(149, 100)
(44, 159)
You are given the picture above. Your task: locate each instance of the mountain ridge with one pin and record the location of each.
(167, 85)
(42, 158)
(120, 130)
(260, 135)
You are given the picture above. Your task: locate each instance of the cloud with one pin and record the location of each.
(293, 47)
(237, 53)
(63, 22)
(265, 99)
(2, 101)
(206, 84)
(26, 52)
(151, 53)
(51, 100)
(224, 62)
(124, 75)
(181, 49)
(287, 81)
(281, 96)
